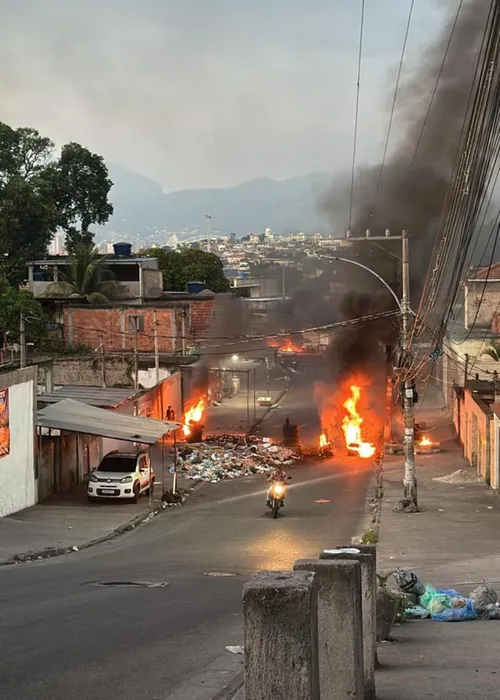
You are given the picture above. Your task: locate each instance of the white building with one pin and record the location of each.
(18, 482)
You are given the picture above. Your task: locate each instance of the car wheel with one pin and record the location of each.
(137, 492)
(91, 499)
(150, 491)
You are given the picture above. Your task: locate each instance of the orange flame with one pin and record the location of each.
(351, 425)
(323, 440)
(425, 442)
(193, 415)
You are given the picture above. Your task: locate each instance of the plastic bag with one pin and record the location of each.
(417, 612)
(457, 614)
(408, 583)
(431, 594)
(483, 596)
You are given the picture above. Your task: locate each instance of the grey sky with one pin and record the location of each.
(199, 93)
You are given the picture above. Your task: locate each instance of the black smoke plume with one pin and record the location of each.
(416, 176)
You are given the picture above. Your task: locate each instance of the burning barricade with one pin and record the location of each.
(351, 425)
(192, 427)
(230, 457)
(341, 409)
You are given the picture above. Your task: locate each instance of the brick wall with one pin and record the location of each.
(201, 313)
(92, 326)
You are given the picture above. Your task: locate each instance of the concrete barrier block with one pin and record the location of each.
(368, 606)
(281, 636)
(340, 632)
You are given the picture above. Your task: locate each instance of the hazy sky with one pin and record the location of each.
(204, 93)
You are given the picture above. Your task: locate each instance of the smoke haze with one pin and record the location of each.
(414, 182)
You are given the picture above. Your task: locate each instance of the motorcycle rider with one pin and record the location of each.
(278, 476)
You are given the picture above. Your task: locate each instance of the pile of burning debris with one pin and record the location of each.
(231, 456)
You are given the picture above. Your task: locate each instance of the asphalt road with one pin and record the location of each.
(63, 636)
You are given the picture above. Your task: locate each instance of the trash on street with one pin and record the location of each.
(447, 605)
(232, 456)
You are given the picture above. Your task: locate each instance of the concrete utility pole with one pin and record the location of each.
(136, 358)
(409, 481)
(157, 356)
(22, 341)
(103, 363)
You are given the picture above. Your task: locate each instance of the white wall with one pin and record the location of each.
(17, 475)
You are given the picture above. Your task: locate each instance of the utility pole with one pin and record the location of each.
(22, 341)
(208, 222)
(103, 363)
(409, 481)
(136, 358)
(157, 356)
(183, 331)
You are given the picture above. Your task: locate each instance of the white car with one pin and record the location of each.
(122, 475)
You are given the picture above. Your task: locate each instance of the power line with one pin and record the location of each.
(396, 89)
(436, 85)
(356, 112)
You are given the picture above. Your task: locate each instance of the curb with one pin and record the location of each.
(132, 524)
(230, 690)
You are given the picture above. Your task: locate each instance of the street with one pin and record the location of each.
(62, 635)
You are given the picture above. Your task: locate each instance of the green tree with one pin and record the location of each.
(81, 186)
(88, 278)
(493, 351)
(190, 265)
(39, 194)
(12, 301)
(28, 214)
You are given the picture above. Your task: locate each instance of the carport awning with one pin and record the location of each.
(77, 417)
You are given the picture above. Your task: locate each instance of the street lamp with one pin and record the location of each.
(409, 481)
(367, 269)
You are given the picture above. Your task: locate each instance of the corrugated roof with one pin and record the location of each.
(77, 417)
(92, 395)
(490, 274)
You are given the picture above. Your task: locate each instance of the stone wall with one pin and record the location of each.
(84, 371)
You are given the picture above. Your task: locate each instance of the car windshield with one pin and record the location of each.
(117, 463)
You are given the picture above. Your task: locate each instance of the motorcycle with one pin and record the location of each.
(277, 494)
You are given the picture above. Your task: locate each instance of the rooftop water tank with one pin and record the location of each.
(196, 287)
(122, 250)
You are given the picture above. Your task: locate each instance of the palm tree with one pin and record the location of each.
(493, 351)
(88, 278)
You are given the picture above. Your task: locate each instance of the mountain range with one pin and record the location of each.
(141, 207)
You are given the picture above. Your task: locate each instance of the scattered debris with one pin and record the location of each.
(447, 605)
(236, 650)
(220, 574)
(405, 506)
(232, 456)
(322, 500)
(461, 476)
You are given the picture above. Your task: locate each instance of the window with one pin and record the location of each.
(136, 323)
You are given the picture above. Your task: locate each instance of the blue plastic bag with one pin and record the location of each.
(457, 614)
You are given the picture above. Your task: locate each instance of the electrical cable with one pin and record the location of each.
(396, 89)
(356, 111)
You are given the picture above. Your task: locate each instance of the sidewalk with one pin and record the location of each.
(452, 543)
(65, 522)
